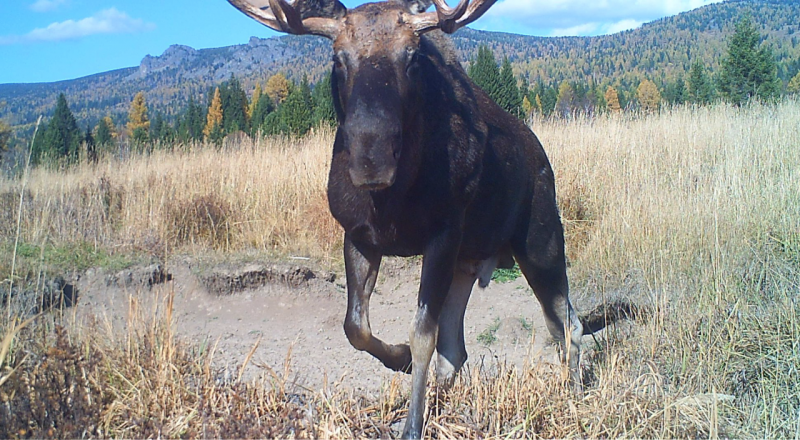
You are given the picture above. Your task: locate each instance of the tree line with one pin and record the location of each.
(281, 107)
(748, 71)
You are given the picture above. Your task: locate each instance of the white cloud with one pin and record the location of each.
(108, 21)
(622, 25)
(46, 5)
(560, 16)
(581, 29)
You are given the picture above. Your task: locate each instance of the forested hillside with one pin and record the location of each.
(659, 51)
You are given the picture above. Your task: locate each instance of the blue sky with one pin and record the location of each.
(52, 40)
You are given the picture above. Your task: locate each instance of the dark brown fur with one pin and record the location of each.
(425, 163)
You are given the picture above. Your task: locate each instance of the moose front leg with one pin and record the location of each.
(438, 264)
(361, 266)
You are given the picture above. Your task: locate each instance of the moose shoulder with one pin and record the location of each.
(425, 163)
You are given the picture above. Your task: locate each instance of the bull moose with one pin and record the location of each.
(425, 163)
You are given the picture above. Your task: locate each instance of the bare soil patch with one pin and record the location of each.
(294, 311)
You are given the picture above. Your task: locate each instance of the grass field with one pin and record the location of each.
(692, 212)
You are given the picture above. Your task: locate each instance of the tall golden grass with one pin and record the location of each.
(693, 212)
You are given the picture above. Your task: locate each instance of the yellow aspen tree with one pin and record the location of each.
(214, 118)
(648, 95)
(278, 88)
(612, 99)
(138, 122)
(538, 103)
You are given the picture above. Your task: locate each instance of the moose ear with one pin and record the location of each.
(416, 6)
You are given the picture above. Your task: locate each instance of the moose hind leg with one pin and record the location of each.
(550, 288)
(539, 251)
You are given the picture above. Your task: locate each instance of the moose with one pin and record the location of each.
(425, 163)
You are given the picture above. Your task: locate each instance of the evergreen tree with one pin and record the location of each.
(675, 92)
(156, 128)
(700, 90)
(39, 148)
(508, 96)
(485, 73)
(62, 138)
(138, 121)
(234, 106)
(549, 98)
(104, 132)
(748, 71)
(323, 102)
(648, 95)
(263, 108)
(91, 147)
(193, 123)
(296, 110)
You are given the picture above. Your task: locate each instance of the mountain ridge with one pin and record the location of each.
(658, 50)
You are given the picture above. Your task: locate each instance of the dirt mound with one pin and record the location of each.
(227, 280)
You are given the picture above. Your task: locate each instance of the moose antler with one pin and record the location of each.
(450, 19)
(284, 17)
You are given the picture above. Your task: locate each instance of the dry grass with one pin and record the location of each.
(268, 196)
(694, 212)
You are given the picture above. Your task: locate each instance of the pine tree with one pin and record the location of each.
(296, 110)
(104, 135)
(549, 100)
(794, 84)
(323, 102)
(612, 100)
(648, 95)
(156, 128)
(748, 71)
(91, 147)
(213, 129)
(485, 73)
(700, 89)
(675, 91)
(62, 138)
(234, 106)
(138, 121)
(192, 125)
(263, 108)
(507, 91)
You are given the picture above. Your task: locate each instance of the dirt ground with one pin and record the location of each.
(303, 315)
